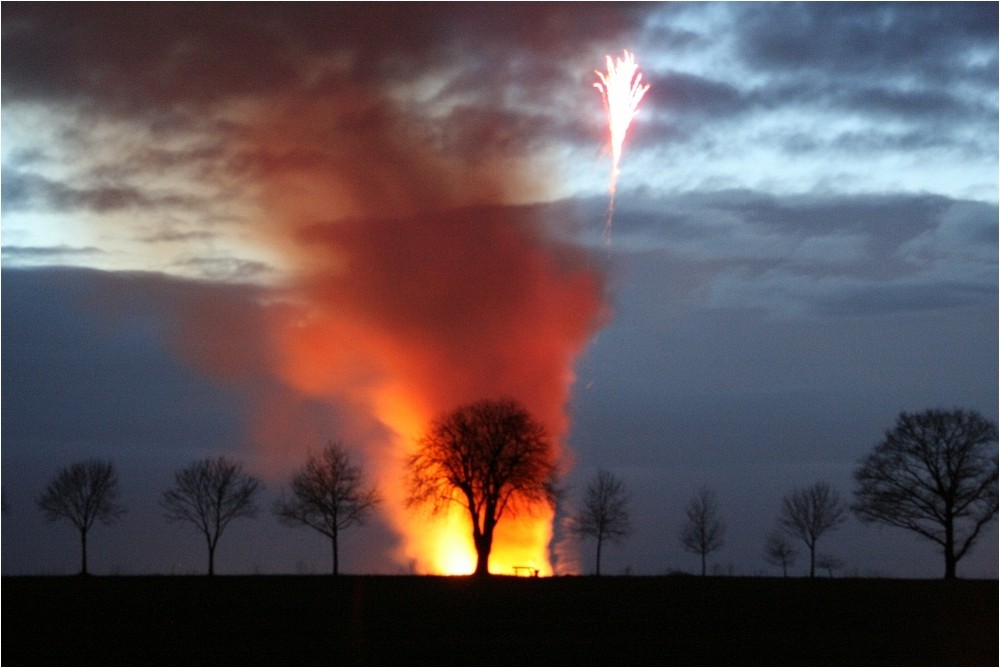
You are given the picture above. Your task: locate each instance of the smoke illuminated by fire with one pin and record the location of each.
(622, 90)
(415, 290)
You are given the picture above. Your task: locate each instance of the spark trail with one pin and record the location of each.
(621, 89)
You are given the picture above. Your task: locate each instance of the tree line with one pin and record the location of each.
(934, 474)
(328, 494)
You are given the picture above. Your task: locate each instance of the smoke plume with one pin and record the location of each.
(415, 288)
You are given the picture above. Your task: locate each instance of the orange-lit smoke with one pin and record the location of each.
(416, 290)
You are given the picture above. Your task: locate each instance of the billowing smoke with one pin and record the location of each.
(381, 162)
(416, 288)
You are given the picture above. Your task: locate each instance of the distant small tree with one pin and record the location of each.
(703, 530)
(491, 458)
(934, 474)
(778, 551)
(809, 513)
(210, 493)
(328, 495)
(604, 515)
(828, 563)
(82, 494)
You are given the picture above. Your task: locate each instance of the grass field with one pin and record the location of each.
(393, 620)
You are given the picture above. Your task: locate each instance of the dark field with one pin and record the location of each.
(289, 620)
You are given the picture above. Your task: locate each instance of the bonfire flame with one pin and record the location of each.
(407, 296)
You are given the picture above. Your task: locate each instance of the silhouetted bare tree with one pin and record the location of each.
(778, 551)
(934, 474)
(809, 513)
(210, 493)
(604, 515)
(828, 563)
(703, 530)
(489, 457)
(328, 495)
(82, 494)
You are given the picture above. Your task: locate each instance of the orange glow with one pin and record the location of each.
(346, 357)
(409, 295)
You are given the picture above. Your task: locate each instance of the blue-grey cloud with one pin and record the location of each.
(817, 254)
(226, 268)
(885, 39)
(31, 191)
(51, 254)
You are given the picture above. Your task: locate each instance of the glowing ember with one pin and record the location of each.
(621, 89)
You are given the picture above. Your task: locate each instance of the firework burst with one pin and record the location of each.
(621, 89)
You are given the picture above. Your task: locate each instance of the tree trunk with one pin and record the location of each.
(336, 559)
(949, 549)
(211, 558)
(812, 560)
(703, 563)
(484, 543)
(599, 541)
(83, 552)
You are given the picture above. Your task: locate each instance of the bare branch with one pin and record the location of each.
(489, 457)
(328, 495)
(935, 474)
(778, 551)
(604, 515)
(809, 513)
(82, 494)
(703, 530)
(210, 493)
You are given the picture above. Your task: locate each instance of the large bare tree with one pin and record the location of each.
(83, 493)
(210, 493)
(328, 495)
(604, 515)
(934, 474)
(809, 513)
(703, 531)
(491, 458)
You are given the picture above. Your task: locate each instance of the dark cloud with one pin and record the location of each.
(916, 76)
(48, 253)
(31, 191)
(688, 94)
(226, 268)
(816, 255)
(882, 142)
(475, 133)
(146, 57)
(169, 235)
(885, 39)
(117, 361)
(936, 105)
(100, 377)
(893, 218)
(173, 69)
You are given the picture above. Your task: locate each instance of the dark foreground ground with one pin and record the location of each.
(317, 620)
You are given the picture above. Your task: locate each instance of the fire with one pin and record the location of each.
(441, 543)
(622, 90)
(410, 294)
(362, 339)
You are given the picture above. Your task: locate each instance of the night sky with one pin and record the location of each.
(249, 229)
